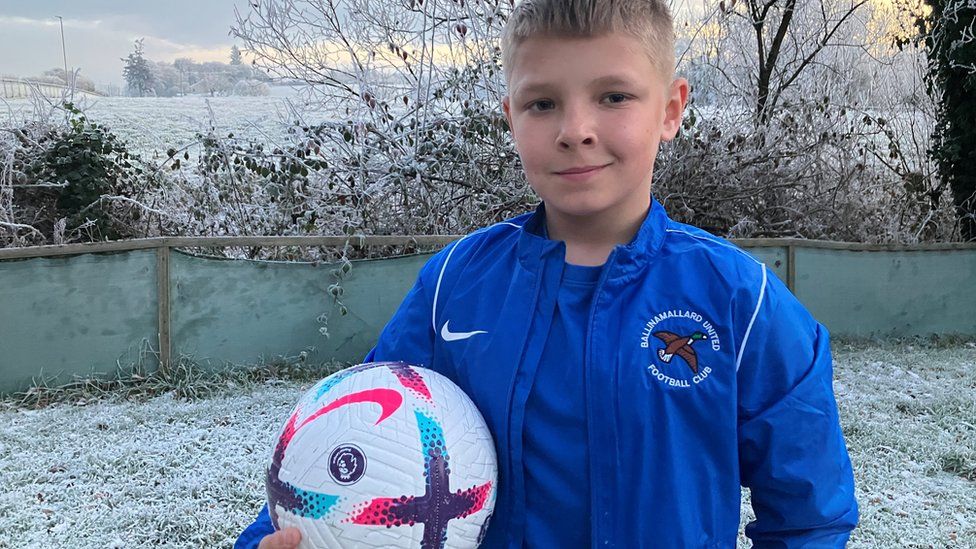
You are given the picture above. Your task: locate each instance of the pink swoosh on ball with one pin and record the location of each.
(388, 399)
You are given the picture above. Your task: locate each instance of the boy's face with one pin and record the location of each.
(587, 115)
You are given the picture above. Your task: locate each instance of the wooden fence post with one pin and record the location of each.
(791, 268)
(163, 302)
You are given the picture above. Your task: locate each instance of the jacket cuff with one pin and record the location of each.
(253, 534)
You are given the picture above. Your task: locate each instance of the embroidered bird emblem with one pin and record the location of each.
(681, 346)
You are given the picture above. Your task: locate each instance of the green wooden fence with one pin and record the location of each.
(86, 308)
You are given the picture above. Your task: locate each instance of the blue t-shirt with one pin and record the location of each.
(557, 480)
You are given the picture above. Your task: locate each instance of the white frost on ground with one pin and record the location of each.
(190, 474)
(909, 415)
(160, 473)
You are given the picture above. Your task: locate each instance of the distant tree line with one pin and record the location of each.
(144, 77)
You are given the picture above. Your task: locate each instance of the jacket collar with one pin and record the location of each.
(534, 246)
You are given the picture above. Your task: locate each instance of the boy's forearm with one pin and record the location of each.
(795, 461)
(792, 452)
(807, 540)
(801, 479)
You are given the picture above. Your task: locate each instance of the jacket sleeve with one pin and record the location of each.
(253, 534)
(407, 337)
(792, 453)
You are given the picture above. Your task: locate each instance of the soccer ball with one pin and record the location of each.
(384, 455)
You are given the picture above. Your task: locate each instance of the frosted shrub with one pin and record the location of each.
(70, 181)
(420, 145)
(806, 121)
(816, 170)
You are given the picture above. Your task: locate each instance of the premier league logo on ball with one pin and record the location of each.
(347, 464)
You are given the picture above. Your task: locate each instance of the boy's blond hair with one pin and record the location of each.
(648, 21)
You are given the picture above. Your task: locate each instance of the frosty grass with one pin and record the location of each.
(150, 125)
(190, 474)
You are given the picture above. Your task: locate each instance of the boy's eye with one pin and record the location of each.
(615, 98)
(541, 105)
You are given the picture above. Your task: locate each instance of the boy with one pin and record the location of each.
(633, 371)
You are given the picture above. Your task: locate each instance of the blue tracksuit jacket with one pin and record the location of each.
(703, 372)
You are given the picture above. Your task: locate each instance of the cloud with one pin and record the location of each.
(160, 49)
(87, 24)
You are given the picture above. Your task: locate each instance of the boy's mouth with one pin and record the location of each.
(581, 170)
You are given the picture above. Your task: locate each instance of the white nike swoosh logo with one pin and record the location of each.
(448, 335)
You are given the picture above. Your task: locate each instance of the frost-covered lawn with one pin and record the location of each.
(189, 474)
(909, 415)
(151, 125)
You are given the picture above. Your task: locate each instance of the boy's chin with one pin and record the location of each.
(570, 208)
(581, 211)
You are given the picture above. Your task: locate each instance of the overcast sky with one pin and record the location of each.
(97, 33)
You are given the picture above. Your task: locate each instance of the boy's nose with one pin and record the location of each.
(573, 142)
(576, 130)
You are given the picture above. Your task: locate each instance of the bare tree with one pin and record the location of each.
(415, 87)
(806, 121)
(788, 38)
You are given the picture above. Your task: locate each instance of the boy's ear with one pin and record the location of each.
(507, 108)
(675, 108)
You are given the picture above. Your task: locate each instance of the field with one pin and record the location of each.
(151, 125)
(189, 474)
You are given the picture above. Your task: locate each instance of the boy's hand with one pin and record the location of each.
(287, 538)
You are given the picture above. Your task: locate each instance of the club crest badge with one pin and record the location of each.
(682, 342)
